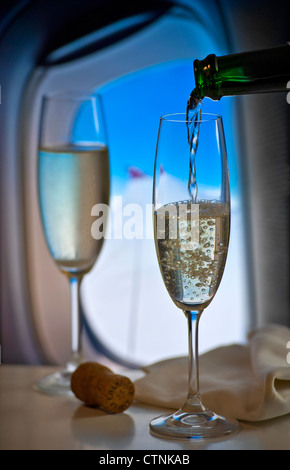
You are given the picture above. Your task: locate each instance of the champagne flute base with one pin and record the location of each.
(59, 383)
(193, 426)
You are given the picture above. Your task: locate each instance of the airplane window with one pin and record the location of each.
(127, 312)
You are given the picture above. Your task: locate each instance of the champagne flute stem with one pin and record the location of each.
(193, 401)
(76, 326)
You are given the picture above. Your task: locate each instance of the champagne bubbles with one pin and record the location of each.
(192, 275)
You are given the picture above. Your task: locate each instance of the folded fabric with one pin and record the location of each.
(247, 382)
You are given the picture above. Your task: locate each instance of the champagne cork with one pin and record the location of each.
(97, 385)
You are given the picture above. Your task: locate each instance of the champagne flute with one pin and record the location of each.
(191, 203)
(73, 176)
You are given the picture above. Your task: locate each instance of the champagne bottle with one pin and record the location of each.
(244, 73)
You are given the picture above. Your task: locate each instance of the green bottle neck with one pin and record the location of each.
(243, 73)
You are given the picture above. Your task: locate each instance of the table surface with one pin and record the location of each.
(30, 420)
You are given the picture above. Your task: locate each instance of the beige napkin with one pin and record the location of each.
(247, 382)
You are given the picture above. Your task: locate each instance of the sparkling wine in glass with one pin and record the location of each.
(73, 176)
(191, 201)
